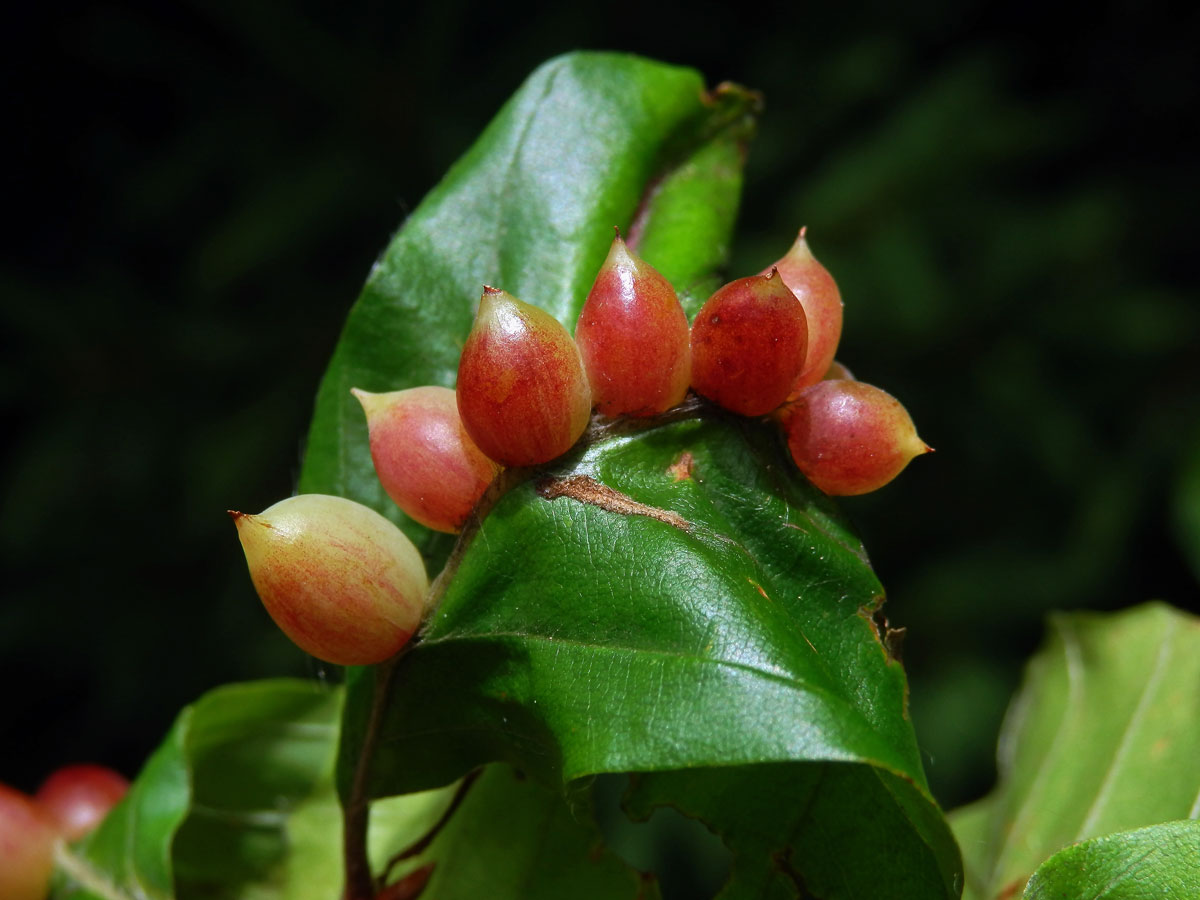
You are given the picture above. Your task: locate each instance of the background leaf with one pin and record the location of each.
(131, 851)
(1161, 862)
(510, 838)
(575, 640)
(515, 838)
(207, 816)
(589, 141)
(1102, 738)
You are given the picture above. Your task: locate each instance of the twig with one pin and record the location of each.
(355, 813)
(419, 846)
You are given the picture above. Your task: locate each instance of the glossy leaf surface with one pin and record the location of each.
(701, 607)
(1102, 738)
(590, 141)
(1161, 862)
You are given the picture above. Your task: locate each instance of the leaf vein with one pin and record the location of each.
(1139, 712)
(1073, 657)
(1120, 876)
(85, 875)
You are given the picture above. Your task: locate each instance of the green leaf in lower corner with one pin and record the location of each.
(513, 839)
(1103, 737)
(130, 854)
(1161, 862)
(207, 817)
(680, 602)
(814, 830)
(510, 839)
(591, 140)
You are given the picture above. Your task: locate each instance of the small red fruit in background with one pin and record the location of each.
(77, 798)
(424, 457)
(340, 580)
(849, 437)
(633, 336)
(522, 392)
(818, 293)
(27, 838)
(749, 342)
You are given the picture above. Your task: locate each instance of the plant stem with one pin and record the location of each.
(356, 812)
(419, 846)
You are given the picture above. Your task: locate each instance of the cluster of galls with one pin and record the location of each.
(70, 803)
(347, 586)
(760, 345)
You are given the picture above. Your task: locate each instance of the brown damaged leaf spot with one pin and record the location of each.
(681, 469)
(891, 639)
(714, 96)
(893, 643)
(585, 489)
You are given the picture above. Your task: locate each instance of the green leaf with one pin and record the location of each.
(688, 602)
(1102, 738)
(207, 816)
(815, 830)
(315, 867)
(1161, 862)
(512, 837)
(591, 140)
(706, 610)
(130, 854)
(544, 847)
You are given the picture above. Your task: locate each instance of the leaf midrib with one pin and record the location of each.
(1077, 675)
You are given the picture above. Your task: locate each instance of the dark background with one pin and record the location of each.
(194, 194)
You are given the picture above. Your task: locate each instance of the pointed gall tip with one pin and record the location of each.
(800, 252)
(241, 518)
(618, 254)
(370, 402)
(487, 300)
(917, 447)
(774, 273)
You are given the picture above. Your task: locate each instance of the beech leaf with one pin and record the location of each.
(1102, 738)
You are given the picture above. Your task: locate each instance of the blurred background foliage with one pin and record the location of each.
(195, 192)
